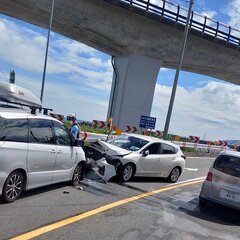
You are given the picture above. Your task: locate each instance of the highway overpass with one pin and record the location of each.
(143, 38)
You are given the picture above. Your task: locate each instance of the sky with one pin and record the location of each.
(78, 78)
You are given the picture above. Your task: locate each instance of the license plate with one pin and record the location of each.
(230, 196)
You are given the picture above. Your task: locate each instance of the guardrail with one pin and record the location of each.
(176, 16)
(202, 146)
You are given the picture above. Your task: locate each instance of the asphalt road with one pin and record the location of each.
(172, 214)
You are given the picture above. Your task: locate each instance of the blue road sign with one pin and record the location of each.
(147, 122)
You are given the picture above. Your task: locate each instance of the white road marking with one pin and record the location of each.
(192, 169)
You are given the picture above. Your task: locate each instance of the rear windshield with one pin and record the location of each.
(228, 164)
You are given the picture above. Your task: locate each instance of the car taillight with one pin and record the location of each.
(183, 156)
(209, 177)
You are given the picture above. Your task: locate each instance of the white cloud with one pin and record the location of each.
(233, 11)
(82, 66)
(199, 17)
(25, 48)
(209, 14)
(21, 48)
(170, 5)
(164, 69)
(212, 109)
(65, 99)
(73, 47)
(99, 81)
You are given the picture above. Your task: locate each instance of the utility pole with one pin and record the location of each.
(46, 54)
(12, 76)
(185, 34)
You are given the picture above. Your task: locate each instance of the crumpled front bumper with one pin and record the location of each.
(105, 170)
(104, 165)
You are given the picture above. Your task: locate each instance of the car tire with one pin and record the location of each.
(13, 187)
(77, 174)
(127, 172)
(174, 175)
(202, 202)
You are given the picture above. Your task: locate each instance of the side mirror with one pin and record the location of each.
(145, 153)
(78, 143)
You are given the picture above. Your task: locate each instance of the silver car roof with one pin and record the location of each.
(231, 153)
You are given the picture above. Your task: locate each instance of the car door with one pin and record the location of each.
(66, 154)
(167, 156)
(150, 164)
(42, 152)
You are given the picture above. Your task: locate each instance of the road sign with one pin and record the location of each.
(98, 124)
(177, 138)
(158, 133)
(147, 122)
(110, 123)
(194, 139)
(131, 129)
(222, 143)
(118, 131)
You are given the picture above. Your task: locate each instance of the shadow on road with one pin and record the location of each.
(41, 190)
(94, 184)
(94, 177)
(149, 179)
(213, 213)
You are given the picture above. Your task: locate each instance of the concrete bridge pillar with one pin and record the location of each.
(134, 90)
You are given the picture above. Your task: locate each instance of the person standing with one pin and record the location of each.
(75, 127)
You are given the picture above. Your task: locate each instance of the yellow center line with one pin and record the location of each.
(70, 220)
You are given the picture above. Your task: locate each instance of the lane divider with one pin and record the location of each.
(191, 169)
(76, 218)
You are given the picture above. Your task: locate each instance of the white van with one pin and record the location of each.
(35, 150)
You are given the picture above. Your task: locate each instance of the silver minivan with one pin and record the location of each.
(222, 184)
(35, 150)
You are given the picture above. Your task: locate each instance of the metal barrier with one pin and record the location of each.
(176, 16)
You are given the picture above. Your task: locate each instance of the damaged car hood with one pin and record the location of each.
(113, 150)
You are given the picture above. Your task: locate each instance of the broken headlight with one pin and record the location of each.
(114, 160)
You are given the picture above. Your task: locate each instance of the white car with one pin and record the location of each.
(138, 155)
(35, 150)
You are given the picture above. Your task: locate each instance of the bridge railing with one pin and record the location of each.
(175, 14)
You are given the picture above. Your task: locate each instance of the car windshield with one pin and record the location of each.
(129, 142)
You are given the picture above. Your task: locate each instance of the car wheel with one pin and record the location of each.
(13, 187)
(127, 172)
(174, 175)
(202, 202)
(77, 175)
